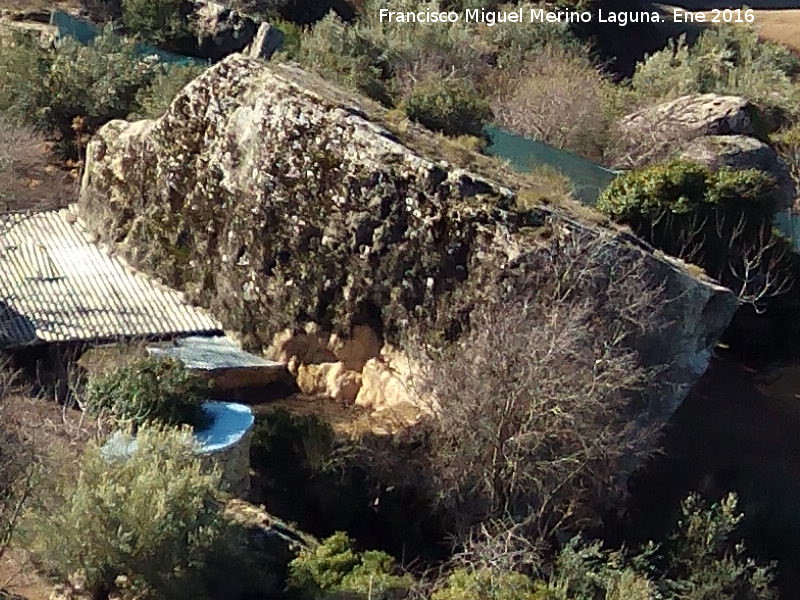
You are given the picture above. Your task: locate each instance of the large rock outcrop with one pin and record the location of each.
(276, 199)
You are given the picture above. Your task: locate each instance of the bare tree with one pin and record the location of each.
(742, 253)
(538, 406)
(756, 265)
(17, 460)
(558, 98)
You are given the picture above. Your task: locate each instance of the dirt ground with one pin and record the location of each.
(778, 25)
(54, 431)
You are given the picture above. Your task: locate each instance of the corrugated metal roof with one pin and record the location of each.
(211, 353)
(56, 286)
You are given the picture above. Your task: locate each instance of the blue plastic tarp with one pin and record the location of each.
(85, 33)
(525, 154)
(228, 423)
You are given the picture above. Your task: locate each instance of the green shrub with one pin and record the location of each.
(517, 45)
(725, 60)
(334, 566)
(156, 21)
(644, 197)
(343, 54)
(149, 389)
(720, 220)
(704, 563)
(787, 144)
(292, 38)
(72, 90)
(87, 86)
(450, 106)
(23, 67)
(699, 562)
(152, 101)
(486, 584)
(148, 523)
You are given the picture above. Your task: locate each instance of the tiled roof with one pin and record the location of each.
(57, 286)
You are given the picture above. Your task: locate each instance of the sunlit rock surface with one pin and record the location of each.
(276, 199)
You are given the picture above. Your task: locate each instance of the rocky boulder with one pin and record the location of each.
(652, 134)
(711, 129)
(215, 31)
(219, 30)
(268, 41)
(741, 152)
(276, 199)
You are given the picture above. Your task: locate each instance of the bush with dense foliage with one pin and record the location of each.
(78, 88)
(87, 86)
(152, 101)
(23, 69)
(341, 52)
(148, 389)
(450, 106)
(726, 60)
(155, 21)
(720, 220)
(147, 523)
(700, 561)
(335, 566)
(487, 584)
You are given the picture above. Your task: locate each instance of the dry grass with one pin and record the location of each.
(18, 577)
(782, 26)
(39, 5)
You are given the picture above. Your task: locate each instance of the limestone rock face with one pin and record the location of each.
(388, 390)
(276, 199)
(311, 345)
(332, 380)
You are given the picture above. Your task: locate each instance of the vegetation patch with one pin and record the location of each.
(148, 390)
(721, 220)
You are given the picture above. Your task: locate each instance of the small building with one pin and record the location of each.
(60, 293)
(57, 287)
